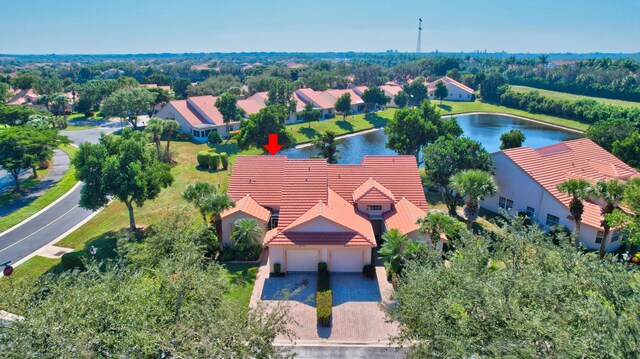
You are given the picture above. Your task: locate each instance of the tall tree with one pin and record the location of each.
(374, 96)
(281, 92)
(128, 104)
(120, 167)
(437, 224)
(512, 139)
(180, 87)
(310, 114)
(606, 132)
(628, 222)
(473, 185)
(578, 189)
(628, 149)
(199, 195)
(246, 233)
(441, 91)
(416, 91)
(401, 99)
(227, 104)
(397, 248)
(156, 127)
(170, 126)
(326, 144)
(255, 131)
(61, 101)
(162, 97)
(610, 192)
(343, 105)
(450, 155)
(493, 86)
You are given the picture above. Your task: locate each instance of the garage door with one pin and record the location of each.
(301, 260)
(346, 261)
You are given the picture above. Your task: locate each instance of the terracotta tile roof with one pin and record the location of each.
(404, 216)
(263, 97)
(359, 90)
(391, 90)
(199, 110)
(332, 95)
(249, 206)
(185, 110)
(251, 105)
(307, 189)
(324, 238)
(448, 81)
(371, 190)
(316, 97)
(581, 158)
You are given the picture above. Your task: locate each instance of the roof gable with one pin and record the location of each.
(249, 206)
(371, 190)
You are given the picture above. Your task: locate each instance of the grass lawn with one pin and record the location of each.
(454, 107)
(354, 123)
(9, 195)
(570, 96)
(242, 276)
(78, 117)
(66, 183)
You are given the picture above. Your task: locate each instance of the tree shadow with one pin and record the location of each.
(445, 107)
(105, 245)
(308, 132)
(375, 120)
(345, 125)
(324, 332)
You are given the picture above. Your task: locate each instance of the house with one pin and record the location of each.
(198, 116)
(263, 98)
(357, 103)
(392, 92)
(527, 180)
(457, 91)
(25, 97)
(151, 86)
(320, 102)
(312, 212)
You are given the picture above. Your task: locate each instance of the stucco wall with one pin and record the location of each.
(277, 254)
(516, 185)
(319, 225)
(228, 223)
(455, 94)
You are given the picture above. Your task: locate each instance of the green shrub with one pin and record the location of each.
(214, 138)
(276, 268)
(369, 271)
(181, 136)
(322, 267)
(224, 159)
(203, 159)
(71, 261)
(214, 161)
(324, 302)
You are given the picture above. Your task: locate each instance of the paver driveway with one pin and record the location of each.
(357, 314)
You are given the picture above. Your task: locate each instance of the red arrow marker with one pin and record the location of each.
(273, 146)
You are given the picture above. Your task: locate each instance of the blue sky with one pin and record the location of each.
(144, 26)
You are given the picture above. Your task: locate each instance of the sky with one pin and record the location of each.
(155, 26)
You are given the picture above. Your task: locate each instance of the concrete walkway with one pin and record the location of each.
(60, 166)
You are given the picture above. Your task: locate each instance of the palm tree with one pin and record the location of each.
(578, 189)
(474, 185)
(156, 126)
(328, 147)
(436, 224)
(198, 194)
(543, 59)
(209, 199)
(397, 249)
(610, 192)
(170, 126)
(246, 232)
(61, 100)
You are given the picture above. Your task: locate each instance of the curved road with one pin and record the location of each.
(18, 243)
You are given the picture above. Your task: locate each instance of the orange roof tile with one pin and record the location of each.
(251, 105)
(316, 97)
(371, 190)
(332, 95)
(448, 81)
(391, 90)
(249, 206)
(581, 158)
(260, 176)
(404, 216)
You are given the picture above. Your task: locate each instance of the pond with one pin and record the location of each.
(485, 128)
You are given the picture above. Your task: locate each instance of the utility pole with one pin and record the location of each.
(419, 34)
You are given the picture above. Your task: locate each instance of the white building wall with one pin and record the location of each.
(455, 94)
(516, 185)
(229, 221)
(277, 254)
(319, 225)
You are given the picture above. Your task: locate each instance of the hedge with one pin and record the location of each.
(214, 161)
(72, 261)
(224, 159)
(209, 159)
(203, 159)
(324, 297)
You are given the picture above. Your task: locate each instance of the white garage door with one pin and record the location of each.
(302, 260)
(346, 261)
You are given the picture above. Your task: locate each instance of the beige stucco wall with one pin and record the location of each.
(277, 254)
(228, 223)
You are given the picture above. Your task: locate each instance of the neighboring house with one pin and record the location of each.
(150, 86)
(198, 116)
(357, 104)
(320, 102)
(262, 98)
(312, 212)
(457, 91)
(25, 97)
(527, 180)
(392, 92)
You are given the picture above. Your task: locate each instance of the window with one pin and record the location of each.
(552, 220)
(374, 207)
(273, 222)
(459, 95)
(505, 203)
(599, 236)
(531, 212)
(615, 237)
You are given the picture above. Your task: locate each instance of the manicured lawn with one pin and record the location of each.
(66, 183)
(453, 107)
(364, 121)
(569, 96)
(81, 117)
(242, 276)
(9, 195)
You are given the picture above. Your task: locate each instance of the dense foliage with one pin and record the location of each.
(516, 294)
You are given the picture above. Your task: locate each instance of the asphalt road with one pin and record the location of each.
(344, 352)
(55, 221)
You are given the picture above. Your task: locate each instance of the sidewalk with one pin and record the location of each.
(60, 166)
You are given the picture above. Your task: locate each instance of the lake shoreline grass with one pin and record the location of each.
(569, 96)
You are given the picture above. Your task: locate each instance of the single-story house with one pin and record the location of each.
(263, 98)
(25, 97)
(198, 116)
(527, 180)
(457, 91)
(319, 101)
(392, 92)
(312, 212)
(357, 103)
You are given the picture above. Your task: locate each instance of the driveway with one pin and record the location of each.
(357, 318)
